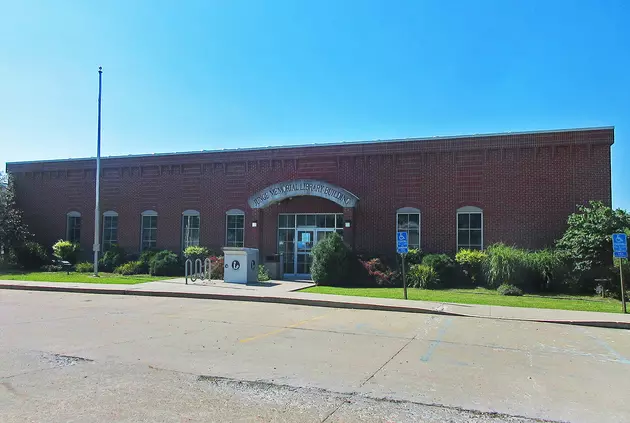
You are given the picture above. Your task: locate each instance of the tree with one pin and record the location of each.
(587, 243)
(13, 230)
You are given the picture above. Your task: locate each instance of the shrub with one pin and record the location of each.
(587, 240)
(414, 256)
(217, 267)
(378, 273)
(52, 268)
(130, 268)
(331, 262)
(444, 266)
(66, 250)
(195, 252)
(471, 263)
(31, 255)
(145, 259)
(550, 269)
(423, 276)
(505, 265)
(84, 267)
(263, 273)
(112, 258)
(165, 263)
(507, 289)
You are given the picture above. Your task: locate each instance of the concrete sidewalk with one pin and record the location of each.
(285, 292)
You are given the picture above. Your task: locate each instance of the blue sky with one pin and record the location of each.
(188, 75)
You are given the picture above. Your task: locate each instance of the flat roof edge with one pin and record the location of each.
(331, 144)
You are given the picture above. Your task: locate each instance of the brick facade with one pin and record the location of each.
(526, 183)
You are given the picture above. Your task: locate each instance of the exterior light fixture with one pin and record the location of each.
(348, 223)
(254, 224)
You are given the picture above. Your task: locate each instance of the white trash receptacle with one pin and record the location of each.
(241, 265)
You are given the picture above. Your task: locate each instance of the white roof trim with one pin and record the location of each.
(190, 213)
(149, 213)
(469, 209)
(408, 210)
(110, 213)
(73, 214)
(235, 212)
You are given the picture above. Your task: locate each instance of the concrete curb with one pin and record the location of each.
(299, 301)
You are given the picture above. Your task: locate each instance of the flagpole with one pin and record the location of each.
(97, 210)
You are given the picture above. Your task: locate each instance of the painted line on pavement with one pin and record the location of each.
(277, 331)
(427, 356)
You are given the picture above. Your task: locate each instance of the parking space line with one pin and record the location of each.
(277, 331)
(427, 356)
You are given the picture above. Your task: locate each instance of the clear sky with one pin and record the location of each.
(189, 75)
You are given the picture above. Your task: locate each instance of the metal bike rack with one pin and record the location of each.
(198, 270)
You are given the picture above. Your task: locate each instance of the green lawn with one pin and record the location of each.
(481, 296)
(79, 277)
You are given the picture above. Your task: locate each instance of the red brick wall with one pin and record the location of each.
(526, 184)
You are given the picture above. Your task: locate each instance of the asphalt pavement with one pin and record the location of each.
(81, 357)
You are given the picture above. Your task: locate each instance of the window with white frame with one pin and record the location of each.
(110, 229)
(73, 226)
(408, 219)
(148, 230)
(190, 228)
(470, 228)
(235, 228)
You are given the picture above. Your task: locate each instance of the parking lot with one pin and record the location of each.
(90, 352)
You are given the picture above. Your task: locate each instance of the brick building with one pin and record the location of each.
(447, 192)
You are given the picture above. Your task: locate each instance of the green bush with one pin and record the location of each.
(507, 289)
(130, 268)
(423, 276)
(444, 266)
(145, 258)
(165, 263)
(506, 265)
(471, 263)
(331, 262)
(549, 268)
(112, 258)
(195, 252)
(31, 255)
(66, 250)
(263, 274)
(587, 242)
(414, 256)
(84, 267)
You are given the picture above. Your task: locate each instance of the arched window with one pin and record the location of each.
(408, 219)
(470, 228)
(190, 228)
(73, 226)
(235, 228)
(148, 230)
(110, 229)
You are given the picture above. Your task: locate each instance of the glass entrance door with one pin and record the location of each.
(298, 234)
(305, 240)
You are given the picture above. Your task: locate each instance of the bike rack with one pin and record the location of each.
(198, 270)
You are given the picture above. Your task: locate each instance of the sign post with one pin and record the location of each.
(402, 248)
(620, 251)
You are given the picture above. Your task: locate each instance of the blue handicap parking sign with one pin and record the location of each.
(402, 246)
(620, 245)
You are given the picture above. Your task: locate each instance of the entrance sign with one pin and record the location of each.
(620, 246)
(620, 251)
(283, 190)
(402, 245)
